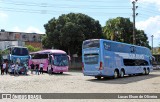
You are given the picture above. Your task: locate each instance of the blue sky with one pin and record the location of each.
(31, 15)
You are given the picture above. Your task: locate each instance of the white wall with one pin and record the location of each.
(5, 44)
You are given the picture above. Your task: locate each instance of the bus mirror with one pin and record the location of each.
(52, 57)
(69, 57)
(153, 58)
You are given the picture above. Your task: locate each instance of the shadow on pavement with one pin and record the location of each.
(125, 79)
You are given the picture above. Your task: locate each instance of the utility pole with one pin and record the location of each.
(152, 44)
(134, 16)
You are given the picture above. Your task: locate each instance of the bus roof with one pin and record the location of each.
(49, 51)
(124, 43)
(117, 42)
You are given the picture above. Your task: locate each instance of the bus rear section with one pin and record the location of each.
(91, 58)
(91, 64)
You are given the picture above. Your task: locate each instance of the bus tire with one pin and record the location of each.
(129, 75)
(61, 72)
(98, 77)
(122, 73)
(115, 74)
(144, 71)
(47, 70)
(147, 71)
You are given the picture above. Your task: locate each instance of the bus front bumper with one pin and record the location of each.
(92, 73)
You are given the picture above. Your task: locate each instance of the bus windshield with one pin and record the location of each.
(91, 43)
(60, 60)
(19, 51)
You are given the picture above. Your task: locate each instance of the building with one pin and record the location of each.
(19, 39)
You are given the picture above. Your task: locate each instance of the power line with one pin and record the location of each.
(50, 11)
(70, 6)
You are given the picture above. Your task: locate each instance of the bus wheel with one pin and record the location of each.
(147, 71)
(144, 71)
(129, 75)
(122, 74)
(47, 70)
(98, 77)
(61, 72)
(115, 74)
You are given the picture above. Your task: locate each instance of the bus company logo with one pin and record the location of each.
(6, 96)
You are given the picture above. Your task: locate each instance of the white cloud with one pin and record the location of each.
(151, 26)
(157, 2)
(33, 30)
(3, 16)
(28, 30)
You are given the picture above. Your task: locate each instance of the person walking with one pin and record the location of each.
(37, 69)
(16, 69)
(41, 68)
(32, 68)
(3, 68)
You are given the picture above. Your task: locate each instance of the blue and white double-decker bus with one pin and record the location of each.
(102, 58)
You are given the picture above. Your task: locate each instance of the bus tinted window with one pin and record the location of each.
(91, 58)
(135, 62)
(19, 51)
(92, 43)
(39, 56)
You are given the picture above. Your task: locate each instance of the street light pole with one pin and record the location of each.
(134, 16)
(152, 44)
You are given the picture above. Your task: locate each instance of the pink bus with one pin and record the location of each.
(58, 59)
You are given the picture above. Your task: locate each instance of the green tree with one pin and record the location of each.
(32, 49)
(142, 39)
(120, 29)
(69, 30)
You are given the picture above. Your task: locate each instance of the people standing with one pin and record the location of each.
(13, 68)
(41, 68)
(16, 69)
(32, 68)
(25, 69)
(6, 69)
(50, 69)
(37, 69)
(3, 68)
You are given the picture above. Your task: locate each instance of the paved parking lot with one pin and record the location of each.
(75, 82)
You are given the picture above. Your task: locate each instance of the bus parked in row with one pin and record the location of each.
(17, 54)
(102, 58)
(58, 59)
